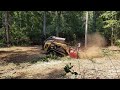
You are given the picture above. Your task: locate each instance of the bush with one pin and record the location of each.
(68, 69)
(117, 42)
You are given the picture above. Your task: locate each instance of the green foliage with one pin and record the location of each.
(68, 69)
(111, 25)
(2, 38)
(109, 19)
(117, 42)
(26, 27)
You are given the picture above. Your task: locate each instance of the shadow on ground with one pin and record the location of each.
(54, 74)
(17, 56)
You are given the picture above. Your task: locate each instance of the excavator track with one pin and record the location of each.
(57, 52)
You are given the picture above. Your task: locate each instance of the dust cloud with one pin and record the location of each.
(96, 39)
(93, 50)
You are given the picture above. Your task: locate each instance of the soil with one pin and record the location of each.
(16, 62)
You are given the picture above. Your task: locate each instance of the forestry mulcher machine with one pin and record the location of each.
(56, 45)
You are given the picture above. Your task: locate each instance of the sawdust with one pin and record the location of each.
(96, 39)
(95, 43)
(91, 52)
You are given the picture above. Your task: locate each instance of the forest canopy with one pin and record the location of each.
(30, 27)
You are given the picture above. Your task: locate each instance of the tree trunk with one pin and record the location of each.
(7, 29)
(115, 31)
(94, 21)
(112, 37)
(115, 34)
(86, 29)
(58, 22)
(44, 24)
(44, 29)
(112, 32)
(20, 18)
